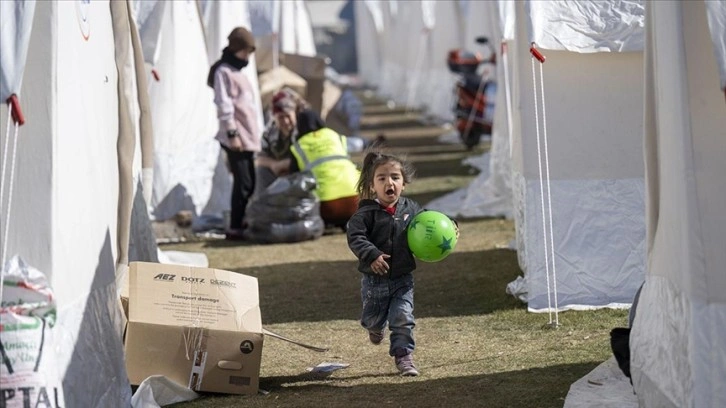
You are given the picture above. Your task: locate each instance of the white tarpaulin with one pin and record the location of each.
(288, 20)
(72, 171)
(717, 25)
(186, 155)
(587, 25)
(593, 126)
(405, 58)
(678, 352)
(296, 30)
(604, 387)
(490, 193)
(14, 37)
(369, 37)
(396, 40)
(506, 19)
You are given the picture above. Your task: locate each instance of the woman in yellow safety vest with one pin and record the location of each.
(319, 150)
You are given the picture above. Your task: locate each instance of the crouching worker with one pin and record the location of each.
(320, 150)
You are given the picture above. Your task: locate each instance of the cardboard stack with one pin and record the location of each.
(200, 327)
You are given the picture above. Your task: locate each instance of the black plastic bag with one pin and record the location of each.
(287, 210)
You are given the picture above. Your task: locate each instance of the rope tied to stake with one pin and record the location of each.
(544, 181)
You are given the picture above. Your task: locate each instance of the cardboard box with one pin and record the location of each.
(312, 69)
(199, 327)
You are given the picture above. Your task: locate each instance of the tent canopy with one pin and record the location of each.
(73, 178)
(682, 307)
(593, 124)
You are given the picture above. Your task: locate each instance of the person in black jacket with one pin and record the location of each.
(377, 236)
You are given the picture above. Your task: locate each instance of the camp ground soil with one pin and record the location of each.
(476, 345)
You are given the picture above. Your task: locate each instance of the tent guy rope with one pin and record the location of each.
(16, 114)
(551, 287)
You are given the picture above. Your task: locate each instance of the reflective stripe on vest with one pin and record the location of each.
(324, 154)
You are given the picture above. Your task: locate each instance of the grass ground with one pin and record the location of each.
(476, 345)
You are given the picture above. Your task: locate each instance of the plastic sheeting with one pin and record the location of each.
(481, 198)
(604, 387)
(588, 26)
(599, 243)
(158, 391)
(678, 353)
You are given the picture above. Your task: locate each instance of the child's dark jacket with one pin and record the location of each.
(372, 231)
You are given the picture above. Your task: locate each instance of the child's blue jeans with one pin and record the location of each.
(390, 300)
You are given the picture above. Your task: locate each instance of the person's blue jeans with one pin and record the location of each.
(389, 301)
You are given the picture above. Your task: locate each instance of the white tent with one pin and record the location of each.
(678, 352)
(413, 55)
(592, 87)
(285, 24)
(295, 30)
(430, 84)
(592, 78)
(188, 169)
(73, 184)
(369, 37)
(490, 193)
(395, 50)
(403, 47)
(411, 51)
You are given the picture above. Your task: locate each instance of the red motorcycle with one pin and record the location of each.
(474, 92)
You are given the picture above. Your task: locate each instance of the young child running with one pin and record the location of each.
(377, 237)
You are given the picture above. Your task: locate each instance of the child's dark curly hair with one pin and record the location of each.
(371, 162)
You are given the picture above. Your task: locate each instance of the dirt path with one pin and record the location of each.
(310, 291)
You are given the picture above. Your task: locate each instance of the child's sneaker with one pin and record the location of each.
(405, 366)
(375, 337)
